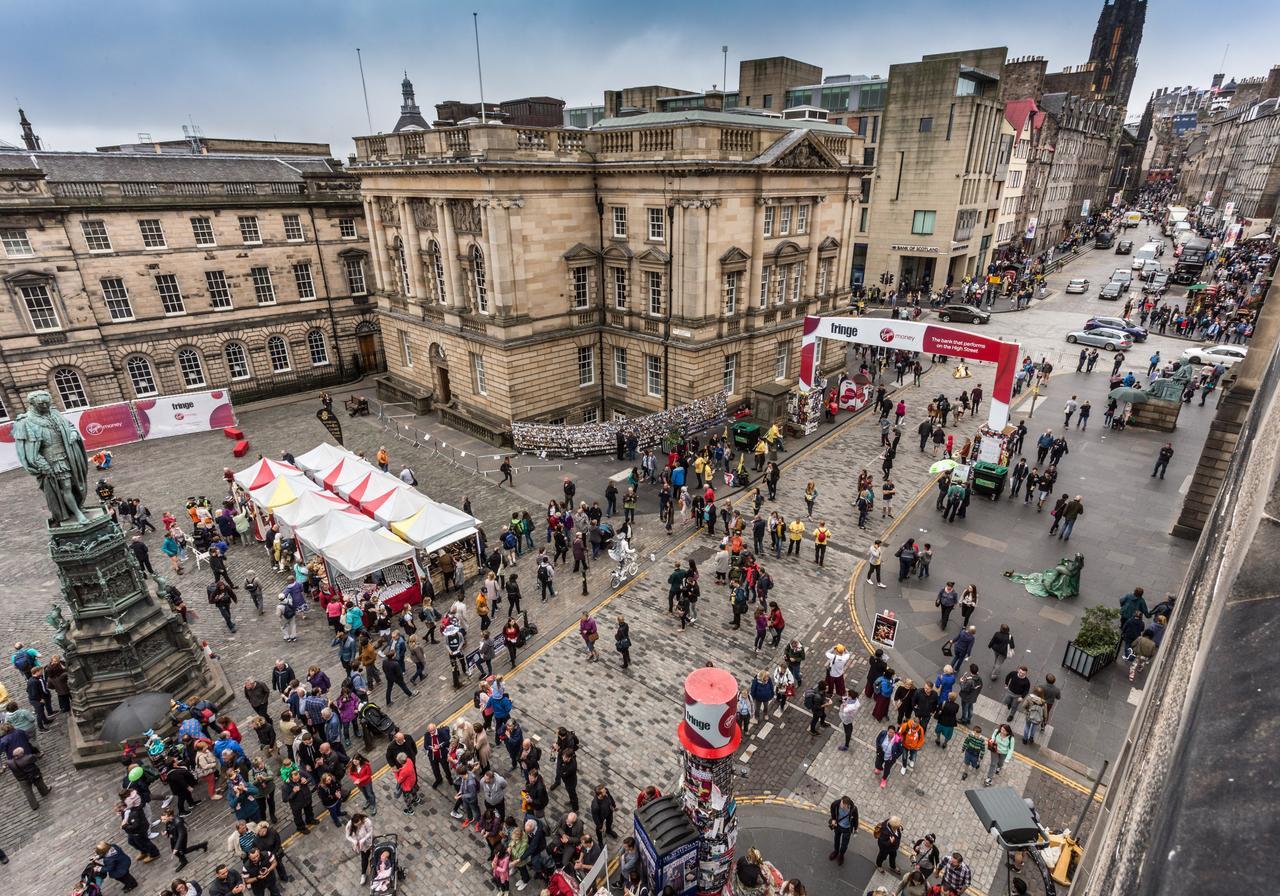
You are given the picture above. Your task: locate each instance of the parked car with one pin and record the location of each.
(1078, 285)
(1149, 269)
(1138, 333)
(1111, 291)
(1226, 355)
(1158, 284)
(1124, 247)
(1111, 340)
(963, 314)
(1123, 277)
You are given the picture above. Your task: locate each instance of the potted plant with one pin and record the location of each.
(1096, 644)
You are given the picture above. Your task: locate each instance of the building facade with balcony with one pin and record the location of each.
(127, 275)
(575, 276)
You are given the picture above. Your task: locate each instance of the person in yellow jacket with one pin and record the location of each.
(761, 452)
(482, 610)
(795, 532)
(700, 470)
(774, 437)
(821, 537)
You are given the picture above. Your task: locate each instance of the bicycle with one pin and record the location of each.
(628, 564)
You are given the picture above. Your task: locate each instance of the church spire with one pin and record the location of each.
(410, 115)
(28, 135)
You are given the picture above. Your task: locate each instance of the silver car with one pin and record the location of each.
(1111, 340)
(1078, 285)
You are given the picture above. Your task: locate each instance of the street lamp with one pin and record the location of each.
(1035, 393)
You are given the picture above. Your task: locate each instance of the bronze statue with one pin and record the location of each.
(51, 449)
(1062, 581)
(1172, 387)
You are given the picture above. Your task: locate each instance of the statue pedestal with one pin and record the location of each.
(1156, 413)
(122, 640)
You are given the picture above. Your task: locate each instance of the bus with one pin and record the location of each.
(1195, 254)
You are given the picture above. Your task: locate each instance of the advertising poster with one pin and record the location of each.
(885, 630)
(175, 415)
(105, 426)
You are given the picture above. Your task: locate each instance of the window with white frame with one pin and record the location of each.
(784, 277)
(731, 291)
(581, 287)
(302, 278)
(15, 242)
(152, 233)
(480, 279)
(653, 375)
(170, 294)
(802, 218)
(117, 298)
(619, 287)
(317, 348)
(437, 270)
(237, 360)
(824, 275)
(191, 367)
(96, 236)
(406, 350)
(620, 221)
(784, 221)
(586, 365)
(618, 417)
(70, 389)
(729, 379)
(655, 291)
(355, 276)
(478, 375)
(202, 230)
(781, 361)
(797, 276)
(765, 273)
(768, 220)
(657, 224)
(141, 376)
(817, 357)
(402, 268)
(591, 415)
(219, 289)
(249, 232)
(40, 307)
(347, 228)
(293, 228)
(263, 289)
(278, 354)
(619, 366)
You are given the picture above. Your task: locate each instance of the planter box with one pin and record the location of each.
(1084, 664)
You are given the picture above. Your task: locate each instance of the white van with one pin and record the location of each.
(1147, 253)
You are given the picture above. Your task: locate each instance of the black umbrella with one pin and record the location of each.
(136, 715)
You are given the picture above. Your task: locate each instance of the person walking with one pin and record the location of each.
(844, 824)
(1069, 410)
(1002, 647)
(1017, 687)
(621, 641)
(810, 496)
(590, 634)
(393, 672)
(955, 874)
(1071, 512)
(821, 537)
(1162, 461)
(1002, 752)
(26, 772)
(948, 715)
(1082, 419)
(969, 688)
(946, 602)
(1033, 715)
(874, 557)
(175, 828)
(888, 834)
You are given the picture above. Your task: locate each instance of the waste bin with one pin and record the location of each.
(745, 435)
(989, 479)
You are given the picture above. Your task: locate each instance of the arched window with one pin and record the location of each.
(191, 367)
(70, 389)
(278, 352)
(437, 268)
(317, 348)
(402, 264)
(477, 274)
(237, 360)
(141, 376)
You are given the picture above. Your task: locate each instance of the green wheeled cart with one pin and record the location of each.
(989, 479)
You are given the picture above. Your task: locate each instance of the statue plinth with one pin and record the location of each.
(1156, 413)
(122, 640)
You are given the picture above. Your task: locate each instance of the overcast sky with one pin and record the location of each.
(91, 74)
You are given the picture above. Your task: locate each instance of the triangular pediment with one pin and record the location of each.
(579, 251)
(830, 244)
(734, 256)
(809, 155)
(654, 256)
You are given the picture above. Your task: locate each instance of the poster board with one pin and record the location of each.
(885, 629)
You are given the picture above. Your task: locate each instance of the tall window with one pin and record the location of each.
(347, 228)
(402, 268)
(96, 236)
(355, 276)
(219, 289)
(824, 275)
(731, 292)
(317, 348)
(591, 416)
(797, 276)
(478, 375)
(302, 277)
(619, 287)
(620, 367)
(263, 289)
(406, 350)
(922, 222)
(657, 224)
(765, 273)
(237, 360)
(293, 228)
(141, 376)
(784, 221)
(864, 218)
(249, 229)
(784, 276)
(581, 287)
(202, 230)
(802, 218)
(191, 368)
(70, 389)
(40, 308)
(437, 270)
(768, 220)
(620, 221)
(655, 292)
(586, 365)
(278, 354)
(152, 233)
(730, 377)
(653, 375)
(480, 280)
(782, 361)
(117, 298)
(170, 294)
(16, 244)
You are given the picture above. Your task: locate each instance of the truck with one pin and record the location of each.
(1173, 216)
(1132, 219)
(1195, 254)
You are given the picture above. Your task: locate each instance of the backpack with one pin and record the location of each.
(289, 610)
(22, 661)
(879, 829)
(810, 699)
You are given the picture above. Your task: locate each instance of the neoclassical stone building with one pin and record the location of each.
(130, 274)
(580, 275)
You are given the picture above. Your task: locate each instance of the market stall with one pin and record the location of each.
(440, 528)
(398, 504)
(309, 507)
(322, 457)
(373, 490)
(374, 562)
(263, 472)
(329, 529)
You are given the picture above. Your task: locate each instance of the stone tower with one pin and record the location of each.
(1115, 49)
(410, 115)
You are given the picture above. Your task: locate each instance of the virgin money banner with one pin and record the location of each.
(105, 426)
(175, 415)
(852, 396)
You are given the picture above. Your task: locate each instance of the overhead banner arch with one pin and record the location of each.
(918, 337)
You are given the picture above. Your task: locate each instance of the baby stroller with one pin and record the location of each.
(372, 718)
(385, 874)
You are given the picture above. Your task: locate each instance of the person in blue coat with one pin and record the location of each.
(114, 862)
(945, 681)
(761, 695)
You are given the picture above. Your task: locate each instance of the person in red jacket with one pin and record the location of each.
(648, 795)
(407, 781)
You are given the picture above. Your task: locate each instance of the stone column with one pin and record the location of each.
(757, 255)
(413, 251)
(377, 245)
(449, 257)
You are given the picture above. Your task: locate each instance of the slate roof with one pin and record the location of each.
(740, 119)
(113, 167)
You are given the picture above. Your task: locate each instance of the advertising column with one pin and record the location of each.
(710, 736)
